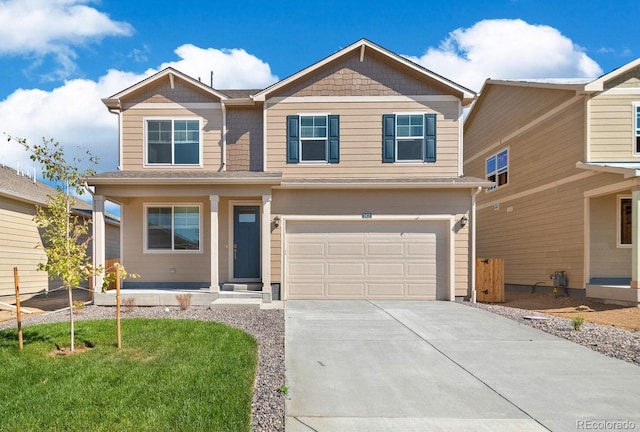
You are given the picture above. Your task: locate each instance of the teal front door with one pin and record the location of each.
(246, 242)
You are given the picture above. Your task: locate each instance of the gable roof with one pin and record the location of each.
(598, 84)
(22, 187)
(466, 95)
(113, 102)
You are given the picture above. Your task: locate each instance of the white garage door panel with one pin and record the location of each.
(365, 259)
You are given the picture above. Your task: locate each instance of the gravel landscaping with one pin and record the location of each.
(610, 341)
(267, 326)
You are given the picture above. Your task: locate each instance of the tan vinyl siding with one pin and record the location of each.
(244, 139)
(607, 259)
(133, 147)
(613, 127)
(380, 202)
(19, 236)
(361, 139)
(506, 109)
(156, 266)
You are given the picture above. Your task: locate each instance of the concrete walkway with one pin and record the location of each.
(442, 366)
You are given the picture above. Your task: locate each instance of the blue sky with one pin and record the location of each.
(59, 57)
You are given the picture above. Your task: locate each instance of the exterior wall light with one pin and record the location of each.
(463, 221)
(276, 221)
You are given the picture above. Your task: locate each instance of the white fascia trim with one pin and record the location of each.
(627, 172)
(598, 84)
(356, 99)
(622, 91)
(172, 105)
(373, 218)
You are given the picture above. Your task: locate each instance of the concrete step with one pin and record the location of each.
(236, 303)
(240, 294)
(241, 287)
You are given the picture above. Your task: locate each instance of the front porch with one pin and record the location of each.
(622, 294)
(237, 297)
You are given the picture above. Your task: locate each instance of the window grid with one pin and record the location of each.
(497, 169)
(173, 142)
(313, 138)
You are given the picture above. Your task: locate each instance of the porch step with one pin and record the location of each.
(236, 303)
(241, 287)
(240, 294)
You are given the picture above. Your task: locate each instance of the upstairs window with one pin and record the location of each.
(313, 138)
(409, 137)
(497, 169)
(173, 142)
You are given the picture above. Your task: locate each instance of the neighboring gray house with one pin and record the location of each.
(19, 236)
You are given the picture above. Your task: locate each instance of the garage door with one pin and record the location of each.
(365, 260)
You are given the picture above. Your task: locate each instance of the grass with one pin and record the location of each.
(177, 375)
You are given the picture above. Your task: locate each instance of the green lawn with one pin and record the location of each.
(170, 375)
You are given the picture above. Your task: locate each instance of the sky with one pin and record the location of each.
(59, 58)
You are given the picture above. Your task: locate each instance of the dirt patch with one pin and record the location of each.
(6, 315)
(569, 307)
(64, 351)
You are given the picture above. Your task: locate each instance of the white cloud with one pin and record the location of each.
(232, 68)
(74, 114)
(507, 49)
(54, 27)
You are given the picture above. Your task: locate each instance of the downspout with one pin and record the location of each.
(472, 234)
(117, 112)
(224, 137)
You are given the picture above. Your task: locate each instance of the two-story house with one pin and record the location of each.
(564, 157)
(342, 181)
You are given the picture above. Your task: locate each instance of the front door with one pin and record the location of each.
(246, 242)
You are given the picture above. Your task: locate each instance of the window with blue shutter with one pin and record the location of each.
(313, 138)
(408, 138)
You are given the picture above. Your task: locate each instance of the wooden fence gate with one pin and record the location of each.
(490, 280)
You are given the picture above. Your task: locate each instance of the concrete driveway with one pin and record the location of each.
(442, 366)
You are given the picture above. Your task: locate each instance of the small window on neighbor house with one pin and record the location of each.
(497, 169)
(625, 221)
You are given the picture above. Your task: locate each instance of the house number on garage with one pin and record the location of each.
(366, 215)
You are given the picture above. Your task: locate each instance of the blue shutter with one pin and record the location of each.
(334, 139)
(429, 137)
(293, 139)
(388, 138)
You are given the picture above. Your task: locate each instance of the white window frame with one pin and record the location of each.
(398, 160)
(636, 128)
(325, 139)
(172, 250)
(173, 145)
(619, 243)
(497, 171)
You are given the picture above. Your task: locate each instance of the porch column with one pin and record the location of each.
(99, 242)
(635, 238)
(213, 242)
(265, 258)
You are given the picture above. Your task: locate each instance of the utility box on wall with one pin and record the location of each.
(490, 280)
